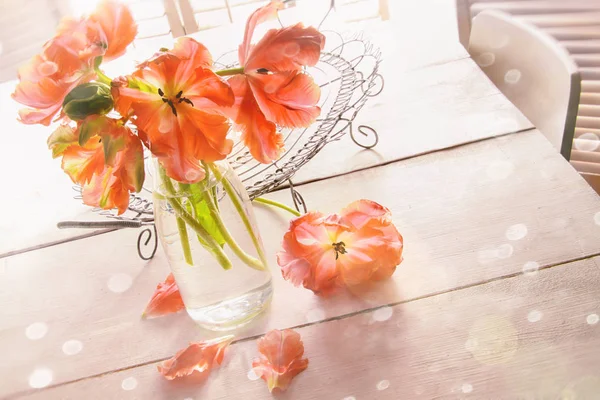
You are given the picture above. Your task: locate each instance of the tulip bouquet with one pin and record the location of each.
(174, 104)
(181, 109)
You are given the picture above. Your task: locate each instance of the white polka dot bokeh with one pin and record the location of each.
(383, 314)
(471, 344)
(129, 383)
(383, 384)
(252, 375)
(36, 331)
(485, 59)
(597, 218)
(531, 268)
(72, 347)
(592, 319)
(587, 141)
(119, 283)
(40, 378)
(315, 315)
(516, 232)
(492, 254)
(505, 250)
(534, 316)
(512, 76)
(466, 388)
(349, 398)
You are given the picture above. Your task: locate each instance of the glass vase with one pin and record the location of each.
(208, 232)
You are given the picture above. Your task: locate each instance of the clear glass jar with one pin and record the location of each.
(222, 288)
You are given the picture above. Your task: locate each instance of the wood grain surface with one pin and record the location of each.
(468, 215)
(531, 336)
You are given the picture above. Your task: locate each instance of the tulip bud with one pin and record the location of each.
(93, 98)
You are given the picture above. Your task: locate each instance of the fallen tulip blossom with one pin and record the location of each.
(359, 245)
(281, 358)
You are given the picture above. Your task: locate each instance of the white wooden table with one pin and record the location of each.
(497, 296)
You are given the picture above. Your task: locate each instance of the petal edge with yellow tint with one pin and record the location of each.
(281, 358)
(62, 137)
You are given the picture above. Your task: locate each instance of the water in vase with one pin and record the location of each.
(216, 298)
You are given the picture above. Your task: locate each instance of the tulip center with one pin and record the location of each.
(339, 248)
(172, 101)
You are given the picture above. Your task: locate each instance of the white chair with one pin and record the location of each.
(532, 70)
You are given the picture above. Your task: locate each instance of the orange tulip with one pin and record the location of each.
(67, 60)
(109, 165)
(273, 90)
(174, 98)
(197, 359)
(359, 245)
(281, 359)
(116, 25)
(165, 300)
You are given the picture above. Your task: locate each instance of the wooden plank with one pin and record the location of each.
(533, 336)
(471, 214)
(461, 106)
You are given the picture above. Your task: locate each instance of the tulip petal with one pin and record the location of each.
(259, 16)
(259, 135)
(286, 49)
(118, 26)
(197, 359)
(288, 99)
(363, 211)
(281, 358)
(165, 300)
(208, 86)
(81, 163)
(188, 48)
(308, 258)
(107, 181)
(63, 137)
(177, 158)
